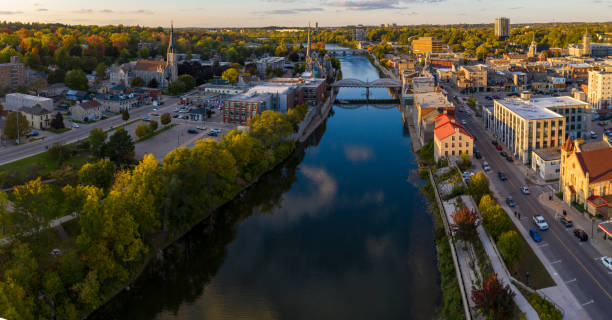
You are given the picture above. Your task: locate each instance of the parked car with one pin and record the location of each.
(540, 222)
(477, 154)
(567, 222)
(535, 235)
(498, 147)
(494, 142)
(147, 119)
(503, 154)
(525, 190)
(502, 176)
(486, 167)
(580, 234)
(155, 109)
(74, 125)
(510, 202)
(607, 262)
(509, 158)
(192, 131)
(463, 122)
(201, 128)
(32, 134)
(212, 133)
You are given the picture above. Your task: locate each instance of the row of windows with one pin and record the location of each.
(467, 144)
(454, 154)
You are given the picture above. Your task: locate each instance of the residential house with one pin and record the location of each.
(451, 140)
(91, 110)
(38, 118)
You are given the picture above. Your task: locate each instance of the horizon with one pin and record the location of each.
(291, 13)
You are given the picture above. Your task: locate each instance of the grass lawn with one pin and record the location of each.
(45, 159)
(538, 276)
(62, 130)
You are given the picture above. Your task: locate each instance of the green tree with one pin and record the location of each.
(38, 84)
(230, 75)
(153, 125)
(141, 130)
(137, 82)
(176, 88)
(22, 267)
(248, 153)
(478, 186)
(125, 115)
(59, 152)
(77, 80)
(99, 174)
(165, 118)
(89, 291)
(188, 80)
(57, 122)
(16, 125)
(97, 140)
(153, 83)
(100, 71)
(52, 285)
(496, 221)
(15, 303)
(120, 147)
(270, 127)
(510, 246)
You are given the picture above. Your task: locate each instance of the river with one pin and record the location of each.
(339, 231)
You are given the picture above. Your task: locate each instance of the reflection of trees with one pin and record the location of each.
(188, 265)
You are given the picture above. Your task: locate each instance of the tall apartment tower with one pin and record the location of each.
(586, 43)
(599, 95)
(360, 34)
(12, 74)
(502, 28)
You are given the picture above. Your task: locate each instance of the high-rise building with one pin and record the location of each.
(12, 74)
(359, 34)
(502, 28)
(600, 89)
(427, 44)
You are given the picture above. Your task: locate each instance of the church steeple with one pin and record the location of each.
(171, 41)
(171, 62)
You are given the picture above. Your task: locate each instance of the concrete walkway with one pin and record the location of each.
(499, 266)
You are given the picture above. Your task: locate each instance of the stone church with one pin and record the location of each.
(163, 72)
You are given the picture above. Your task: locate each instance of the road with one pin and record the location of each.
(574, 261)
(13, 153)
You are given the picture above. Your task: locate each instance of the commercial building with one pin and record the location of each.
(284, 97)
(430, 105)
(313, 88)
(269, 62)
(451, 140)
(213, 88)
(526, 124)
(116, 103)
(427, 44)
(38, 117)
(502, 28)
(12, 74)
(599, 94)
(586, 175)
(239, 109)
(473, 78)
(546, 163)
(14, 101)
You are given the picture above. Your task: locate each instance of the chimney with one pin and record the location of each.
(526, 95)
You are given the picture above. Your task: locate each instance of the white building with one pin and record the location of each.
(269, 62)
(600, 90)
(360, 34)
(283, 96)
(14, 101)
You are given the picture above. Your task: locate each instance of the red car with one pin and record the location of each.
(498, 147)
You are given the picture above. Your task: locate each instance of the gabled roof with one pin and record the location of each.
(568, 145)
(597, 163)
(444, 131)
(91, 104)
(443, 119)
(149, 65)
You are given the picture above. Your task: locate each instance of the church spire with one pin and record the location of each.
(171, 41)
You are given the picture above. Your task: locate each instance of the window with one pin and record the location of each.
(452, 145)
(459, 144)
(446, 153)
(467, 144)
(446, 145)
(460, 137)
(453, 152)
(453, 139)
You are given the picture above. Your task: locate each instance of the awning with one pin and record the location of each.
(606, 227)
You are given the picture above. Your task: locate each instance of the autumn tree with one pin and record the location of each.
(165, 118)
(230, 75)
(510, 246)
(153, 125)
(493, 300)
(35, 205)
(141, 130)
(99, 174)
(478, 186)
(247, 151)
(494, 217)
(465, 224)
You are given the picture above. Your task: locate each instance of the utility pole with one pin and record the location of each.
(18, 133)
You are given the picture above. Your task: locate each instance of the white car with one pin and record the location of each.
(525, 190)
(486, 167)
(607, 262)
(540, 222)
(74, 125)
(463, 122)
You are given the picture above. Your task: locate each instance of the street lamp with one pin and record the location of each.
(592, 222)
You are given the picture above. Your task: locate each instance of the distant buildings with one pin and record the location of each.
(239, 109)
(502, 28)
(588, 49)
(359, 34)
(423, 45)
(39, 118)
(87, 111)
(12, 74)
(472, 78)
(451, 140)
(14, 101)
(267, 63)
(599, 94)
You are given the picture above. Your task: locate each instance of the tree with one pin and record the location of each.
(52, 285)
(493, 300)
(141, 130)
(99, 174)
(496, 221)
(120, 147)
(153, 83)
(16, 125)
(38, 84)
(165, 118)
(100, 71)
(478, 186)
(97, 140)
(270, 127)
(125, 114)
(57, 122)
(77, 80)
(247, 151)
(510, 245)
(153, 125)
(465, 224)
(230, 75)
(59, 152)
(188, 80)
(89, 291)
(176, 88)
(465, 162)
(137, 82)
(35, 205)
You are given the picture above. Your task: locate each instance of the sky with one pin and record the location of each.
(257, 13)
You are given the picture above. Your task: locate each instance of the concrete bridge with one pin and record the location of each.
(379, 83)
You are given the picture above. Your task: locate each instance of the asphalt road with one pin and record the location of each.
(12, 153)
(574, 261)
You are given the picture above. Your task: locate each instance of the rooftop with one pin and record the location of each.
(249, 97)
(27, 96)
(443, 131)
(539, 108)
(34, 110)
(432, 100)
(549, 154)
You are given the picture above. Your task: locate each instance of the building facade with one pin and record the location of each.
(38, 118)
(14, 101)
(472, 78)
(502, 28)
(546, 163)
(423, 45)
(451, 140)
(87, 111)
(599, 94)
(240, 109)
(359, 34)
(12, 74)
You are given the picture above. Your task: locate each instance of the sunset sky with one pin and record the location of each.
(255, 13)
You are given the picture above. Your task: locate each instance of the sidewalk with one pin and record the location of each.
(559, 294)
(498, 265)
(582, 221)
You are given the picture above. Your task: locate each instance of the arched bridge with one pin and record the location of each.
(356, 83)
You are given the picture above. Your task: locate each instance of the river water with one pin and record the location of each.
(339, 231)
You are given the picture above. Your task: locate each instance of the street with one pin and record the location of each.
(573, 262)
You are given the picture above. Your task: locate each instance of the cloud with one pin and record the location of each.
(83, 11)
(289, 11)
(358, 153)
(4, 13)
(140, 11)
(515, 8)
(42, 9)
(362, 5)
